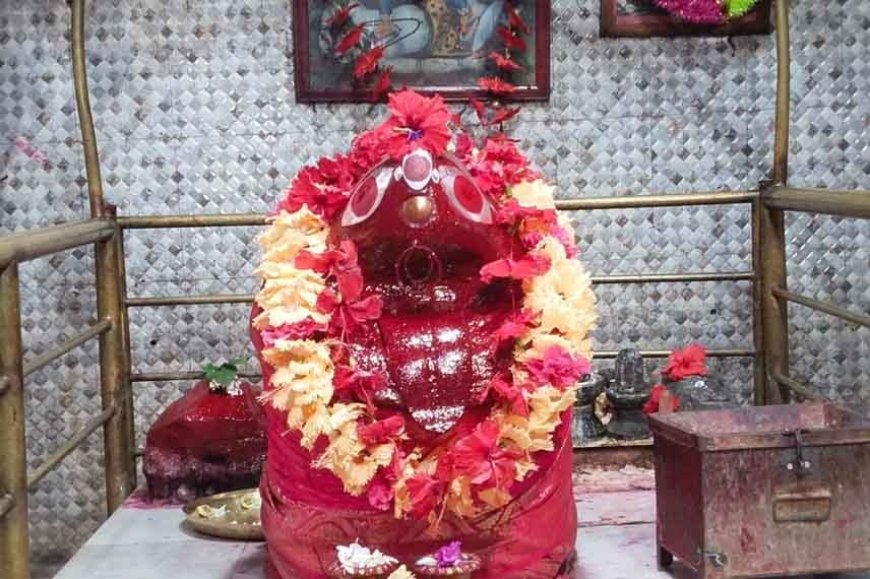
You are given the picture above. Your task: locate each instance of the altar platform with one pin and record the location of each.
(616, 540)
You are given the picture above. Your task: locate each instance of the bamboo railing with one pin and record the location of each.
(106, 230)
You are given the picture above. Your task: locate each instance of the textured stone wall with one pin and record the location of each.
(195, 114)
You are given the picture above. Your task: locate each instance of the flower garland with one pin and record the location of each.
(707, 11)
(312, 297)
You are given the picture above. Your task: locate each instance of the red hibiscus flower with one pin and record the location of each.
(691, 361)
(340, 264)
(380, 494)
(495, 85)
(512, 213)
(525, 267)
(654, 404)
(323, 188)
(341, 16)
(381, 431)
(424, 492)
(499, 165)
(504, 62)
(368, 62)
(298, 331)
(350, 40)
(511, 38)
(502, 387)
(515, 326)
(416, 121)
(358, 384)
(383, 84)
(367, 150)
(348, 315)
(557, 368)
(480, 457)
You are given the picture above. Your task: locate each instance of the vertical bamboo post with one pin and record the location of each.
(14, 552)
(114, 377)
(774, 323)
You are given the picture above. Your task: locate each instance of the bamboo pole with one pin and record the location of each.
(824, 201)
(13, 458)
(830, 309)
(27, 245)
(774, 311)
(759, 389)
(120, 468)
(48, 357)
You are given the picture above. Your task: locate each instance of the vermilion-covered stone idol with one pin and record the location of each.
(422, 326)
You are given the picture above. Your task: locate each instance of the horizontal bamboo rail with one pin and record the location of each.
(205, 299)
(814, 304)
(55, 458)
(672, 277)
(176, 376)
(48, 357)
(798, 388)
(177, 221)
(823, 201)
(724, 353)
(27, 245)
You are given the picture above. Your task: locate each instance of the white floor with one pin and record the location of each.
(616, 541)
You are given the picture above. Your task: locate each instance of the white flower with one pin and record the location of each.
(354, 557)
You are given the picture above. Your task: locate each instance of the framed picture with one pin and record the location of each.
(443, 46)
(643, 19)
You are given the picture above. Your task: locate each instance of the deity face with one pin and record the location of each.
(423, 230)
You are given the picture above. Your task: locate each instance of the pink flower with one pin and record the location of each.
(449, 555)
(557, 368)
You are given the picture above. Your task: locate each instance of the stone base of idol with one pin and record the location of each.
(140, 541)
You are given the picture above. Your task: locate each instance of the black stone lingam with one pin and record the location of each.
(587, 427)
(627, 395)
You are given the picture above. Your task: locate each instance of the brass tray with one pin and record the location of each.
(232, 515)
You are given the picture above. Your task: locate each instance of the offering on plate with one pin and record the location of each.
(448, 561)
(355, 560)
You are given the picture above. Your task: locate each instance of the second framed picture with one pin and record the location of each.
(458, 48)
(644, 19)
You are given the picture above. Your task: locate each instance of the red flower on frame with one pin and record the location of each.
(416, 121)
(368, 62)
(480, 457)
(495, 85)
(350, 40)
(692, 361)
(558, 368)
(511, 39)
(504, 62)
(504, 114)
(341, 16)
(383, 84)
(515, 21)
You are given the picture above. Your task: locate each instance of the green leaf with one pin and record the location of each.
(223, 374)
(737, 8)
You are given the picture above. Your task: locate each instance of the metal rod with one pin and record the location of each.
(824, 201)
(836, 311)
(83, 106)
(120, 468)
(774, 312)
(725, 353)
(673, 277)
(14, 547)
(55, 458)
(798, 388)
(759, 391)
(175, 376)
(176, 221)
(645, 201)
(126, 401)
(28, 245)
(783, 94)
(190, 300)
(44, 359)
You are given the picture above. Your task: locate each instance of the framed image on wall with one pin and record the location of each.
(444, 46)
(643, 19)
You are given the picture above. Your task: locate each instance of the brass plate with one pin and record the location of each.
(232, 515)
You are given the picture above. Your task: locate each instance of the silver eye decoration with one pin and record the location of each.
(466, 198)
(366, 198)
(417, 169)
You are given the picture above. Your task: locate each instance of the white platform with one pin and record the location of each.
(616, 541)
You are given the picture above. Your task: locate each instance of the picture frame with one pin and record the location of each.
(642, 19)
(422, 51)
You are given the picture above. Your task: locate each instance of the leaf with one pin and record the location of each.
(223, 374)
(737, 8)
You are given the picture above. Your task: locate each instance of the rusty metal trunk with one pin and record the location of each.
(764, 491)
